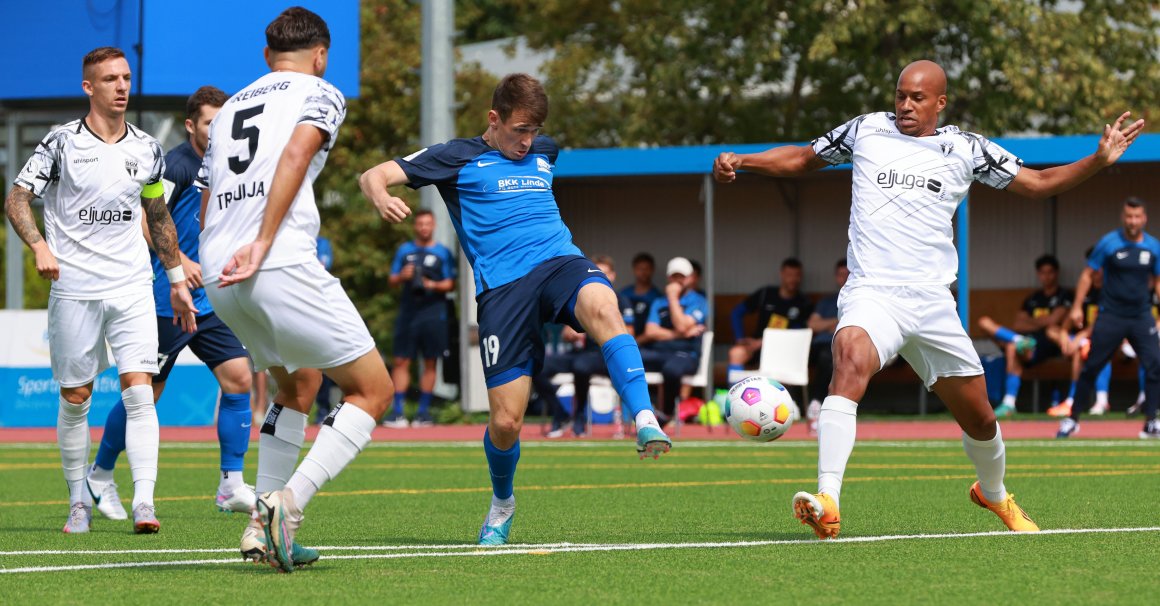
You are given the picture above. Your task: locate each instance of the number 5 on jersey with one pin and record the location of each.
(489, 347)
(249, 134)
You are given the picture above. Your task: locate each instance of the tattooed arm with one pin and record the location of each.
(163, 235)
(18, 207)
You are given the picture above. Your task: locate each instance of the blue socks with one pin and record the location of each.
(113, 439)
(502, 466)
(233, 429)
(1013, 383)
(1104, 379)
(424, 402)
(1006, 335)
(1071, 392)
(398, 409)
(621, 355)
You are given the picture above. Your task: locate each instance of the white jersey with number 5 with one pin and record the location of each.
(246, 140)
(904, 195)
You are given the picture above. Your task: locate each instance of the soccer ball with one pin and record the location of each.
(759, 409)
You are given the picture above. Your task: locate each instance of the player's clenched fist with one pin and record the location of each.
(725, 167)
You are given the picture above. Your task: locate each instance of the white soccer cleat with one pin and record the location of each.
(280, 518)
(80, 516)
(145, 519)
(241, 500)
(106, 499)
(1098, 409)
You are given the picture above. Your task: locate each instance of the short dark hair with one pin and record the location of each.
(206, 95)
(520, 92)
(604, 260)
(423, 212)
(841, 263)
(793, 262)
(696, 267)
(295, 29)
(644, 257)
(1134, 202)
(1047, 259)
(100, 55)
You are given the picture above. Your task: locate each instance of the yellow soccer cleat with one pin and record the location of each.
(1009, 511)
(819, 511)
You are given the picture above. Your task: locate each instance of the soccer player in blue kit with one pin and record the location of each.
(498, 191)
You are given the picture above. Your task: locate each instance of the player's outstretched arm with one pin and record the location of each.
(374, 183)
(1049, 182)
(1082, 287)
(784, 161)
(304, 143)
(18, 207)
(163, 238)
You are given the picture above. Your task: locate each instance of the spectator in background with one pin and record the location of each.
(642, 292)
(425, 271)
(322, 399)
(1073, 340)
(823, 322)
(583, 361)
(671, 343)
(1026, 342)
(781, 306)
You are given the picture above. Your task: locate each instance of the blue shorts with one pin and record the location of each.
(424, 334)
(512, 316)
(213, 343)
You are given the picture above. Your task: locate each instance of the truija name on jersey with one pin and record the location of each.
(91, 215)
(255, 189)
(908, 181)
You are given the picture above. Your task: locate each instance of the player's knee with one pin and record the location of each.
(507, 426)
(76, 395)
(982, 427)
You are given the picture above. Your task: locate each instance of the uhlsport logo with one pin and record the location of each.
(91, 215)
(893, 179)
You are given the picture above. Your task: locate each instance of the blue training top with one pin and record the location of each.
(181, 166)
(1128, 271)
(694, 304)
(503, 210)
(432, 262)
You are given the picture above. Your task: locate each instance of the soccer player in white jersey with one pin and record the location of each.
(95, 176)
(266, 146)
(909, 176)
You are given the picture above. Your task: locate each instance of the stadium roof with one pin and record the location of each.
(698, 159)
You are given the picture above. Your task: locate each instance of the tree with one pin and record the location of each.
(676, 72)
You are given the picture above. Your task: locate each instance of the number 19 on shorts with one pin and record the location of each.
(489, 347)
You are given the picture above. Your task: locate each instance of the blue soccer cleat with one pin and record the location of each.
(496, 535)
(651, 441)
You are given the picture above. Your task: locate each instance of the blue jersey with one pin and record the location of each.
(503, 210)
(640, 305)
(1129, 268)
(433, 262)
(181, 166)
(694, 304)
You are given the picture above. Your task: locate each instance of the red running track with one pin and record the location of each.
(867, 430)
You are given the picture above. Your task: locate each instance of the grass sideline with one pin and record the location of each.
(706, 524)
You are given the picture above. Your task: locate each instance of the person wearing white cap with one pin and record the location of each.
(671, 343)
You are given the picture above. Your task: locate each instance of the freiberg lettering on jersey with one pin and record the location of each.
(255, 189)
(257, 92)
(109, 216)
(522, 183)
(908, 181)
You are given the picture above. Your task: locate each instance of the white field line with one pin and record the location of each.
(461, 550)
(606, 444)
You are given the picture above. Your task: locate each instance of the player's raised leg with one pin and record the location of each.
(966, 398)
(501, 443)
(598, 312)
(856, 359)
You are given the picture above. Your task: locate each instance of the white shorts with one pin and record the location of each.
(920, 323)
(78, 330)
(294, 317)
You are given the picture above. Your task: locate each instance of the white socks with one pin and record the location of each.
(990, 459)
(837, 425)
(72, 434)
(1009, 400)
(229, 482)
(501, 510)
(646, 418)
(142, 437)
(279, 443)
(343, 435)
